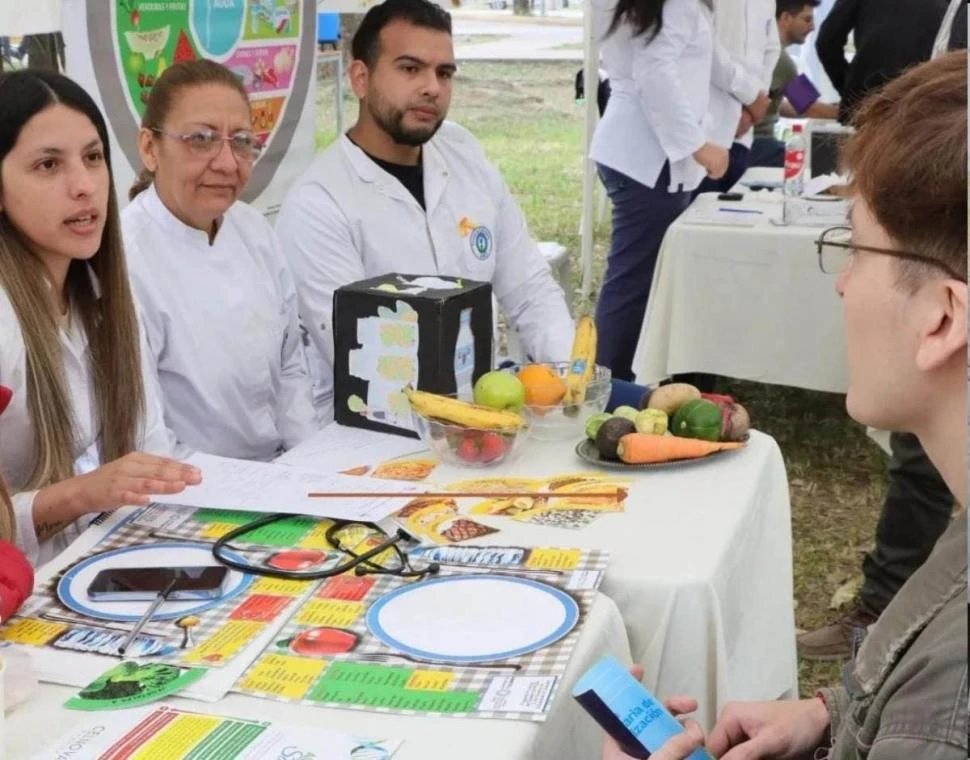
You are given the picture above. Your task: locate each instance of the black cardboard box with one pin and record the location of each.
(429, 331)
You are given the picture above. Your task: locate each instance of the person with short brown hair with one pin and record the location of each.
(903, 282)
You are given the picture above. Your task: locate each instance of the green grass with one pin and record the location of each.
(478, 39)
(525, 116)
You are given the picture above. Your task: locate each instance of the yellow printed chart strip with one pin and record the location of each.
(430, 680)
(317, 537)
(283, 676)
(225, 643)
(217, 529)
(554, 559)
(35, 633)
(178, 737)
(280, 587)
(333, 612)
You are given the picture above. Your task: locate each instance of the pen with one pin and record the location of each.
(162, 596)
(741, 210)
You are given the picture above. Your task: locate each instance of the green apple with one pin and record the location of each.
(500, 390)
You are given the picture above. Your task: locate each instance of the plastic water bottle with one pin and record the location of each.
(464, 356)
(794, 171)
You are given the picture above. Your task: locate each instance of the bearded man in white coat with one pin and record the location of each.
(406, 191)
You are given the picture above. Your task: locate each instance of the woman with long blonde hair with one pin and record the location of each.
(81, 414)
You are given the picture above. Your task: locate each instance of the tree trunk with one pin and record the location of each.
(44, 51)
(349, 22)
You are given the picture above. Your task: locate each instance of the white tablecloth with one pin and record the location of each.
(744, 302)
(701, 569)
(567, 734)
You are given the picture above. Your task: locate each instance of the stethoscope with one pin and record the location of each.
(361, 564)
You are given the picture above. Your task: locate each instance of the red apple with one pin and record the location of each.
(469, 450)
(321, 642)
(492, 447)
(296, 559)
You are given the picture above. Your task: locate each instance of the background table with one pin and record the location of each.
(700, 568)
(567, 734)
(743, 302)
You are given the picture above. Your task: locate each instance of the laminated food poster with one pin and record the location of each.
(165, 732)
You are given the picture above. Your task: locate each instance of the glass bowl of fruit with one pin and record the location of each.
(556, 416)
(468, 434)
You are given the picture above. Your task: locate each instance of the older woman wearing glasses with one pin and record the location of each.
(218, 301)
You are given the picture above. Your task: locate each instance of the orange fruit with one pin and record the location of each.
(543, 386)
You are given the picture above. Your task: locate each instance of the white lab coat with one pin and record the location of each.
(658, 109)
(347, 219)
(17, 433)
(223, 330)
(748, 32)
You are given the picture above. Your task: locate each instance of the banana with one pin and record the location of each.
(583, 362)
(462, 412)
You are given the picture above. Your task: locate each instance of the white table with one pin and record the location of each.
(744, 302)
(567, 734)
(700, 568)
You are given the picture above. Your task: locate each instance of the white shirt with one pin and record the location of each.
(347, 219)
(658, 108)
(223, 330)
(748, 32)
(17, 432)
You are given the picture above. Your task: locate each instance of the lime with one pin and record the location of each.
(594, 422)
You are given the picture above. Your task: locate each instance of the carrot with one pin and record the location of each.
(643, 448)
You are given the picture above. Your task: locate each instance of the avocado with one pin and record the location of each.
(609, 435)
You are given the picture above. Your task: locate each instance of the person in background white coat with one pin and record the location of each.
(654, 144)
(216, 293)
(82, 407)
(748, 32)
(405, 191)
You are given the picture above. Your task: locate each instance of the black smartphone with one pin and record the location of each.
(730, 196)
(137, 584)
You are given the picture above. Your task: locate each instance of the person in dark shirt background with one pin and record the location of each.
(890, 36)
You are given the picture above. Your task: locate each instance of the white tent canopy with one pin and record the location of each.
(20, 17)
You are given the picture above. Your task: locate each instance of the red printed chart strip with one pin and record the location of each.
(347, 588)
(125, 747)
(261, 608)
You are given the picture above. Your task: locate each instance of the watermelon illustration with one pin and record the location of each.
(183, 48)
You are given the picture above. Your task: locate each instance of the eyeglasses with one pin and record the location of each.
(835, 251)
(206, 143)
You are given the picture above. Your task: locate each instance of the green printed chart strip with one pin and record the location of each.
(378, 686)
(287, 532)
(225, 516)
(227, 741)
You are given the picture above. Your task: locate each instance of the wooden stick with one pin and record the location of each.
(619, 493)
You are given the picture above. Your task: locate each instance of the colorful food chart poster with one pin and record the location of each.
(119, 48)
(63, 616)
(161, 732)
(489, 636)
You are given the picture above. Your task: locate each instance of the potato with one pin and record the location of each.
(669, 398)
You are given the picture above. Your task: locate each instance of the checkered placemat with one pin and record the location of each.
(544, 667)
